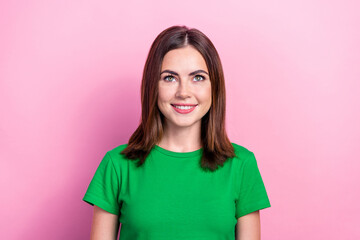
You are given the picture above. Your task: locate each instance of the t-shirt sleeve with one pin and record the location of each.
(252, 193)
(104, 188)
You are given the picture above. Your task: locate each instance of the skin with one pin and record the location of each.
(105, 225)
(181, 131)
(248, 227)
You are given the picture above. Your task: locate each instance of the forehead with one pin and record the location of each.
(186, 58)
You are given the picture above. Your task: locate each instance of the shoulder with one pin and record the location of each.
(115, 153)
(117, 150)
(241, 153)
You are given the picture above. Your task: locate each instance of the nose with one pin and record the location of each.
(183, 90)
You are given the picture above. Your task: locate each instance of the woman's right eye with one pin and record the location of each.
(169, 78)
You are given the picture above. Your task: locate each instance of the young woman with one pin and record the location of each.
(179, 176)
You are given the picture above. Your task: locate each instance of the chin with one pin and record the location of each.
(185, 124)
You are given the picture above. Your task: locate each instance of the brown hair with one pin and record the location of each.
(216, 145)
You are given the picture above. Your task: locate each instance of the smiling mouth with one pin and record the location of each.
(184, 106)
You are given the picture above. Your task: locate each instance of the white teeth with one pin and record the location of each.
(184, 107)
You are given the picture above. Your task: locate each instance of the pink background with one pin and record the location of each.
(70, 74)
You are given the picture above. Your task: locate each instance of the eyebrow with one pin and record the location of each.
(190, 74)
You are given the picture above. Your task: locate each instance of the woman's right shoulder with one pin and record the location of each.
(115, 153)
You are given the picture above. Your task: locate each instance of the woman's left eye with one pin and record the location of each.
(199, 78)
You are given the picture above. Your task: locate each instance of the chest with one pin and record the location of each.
(173, 199)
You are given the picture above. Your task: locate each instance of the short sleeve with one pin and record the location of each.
(103, 190)
(252, 193)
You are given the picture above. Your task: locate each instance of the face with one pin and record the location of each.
(184, 80)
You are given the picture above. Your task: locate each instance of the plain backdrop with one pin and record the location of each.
(70, 75)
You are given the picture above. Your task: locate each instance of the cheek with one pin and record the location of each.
(163, 94)
(205, 94)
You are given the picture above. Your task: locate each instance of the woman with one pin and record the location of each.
(179, 176)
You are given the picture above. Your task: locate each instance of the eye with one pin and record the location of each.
(169, 78)
(199, 78)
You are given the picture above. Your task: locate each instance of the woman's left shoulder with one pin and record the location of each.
(241, 152)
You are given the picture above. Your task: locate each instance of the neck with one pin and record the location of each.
(181, 139)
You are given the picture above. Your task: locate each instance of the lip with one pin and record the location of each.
(183, 104)
(184, 111)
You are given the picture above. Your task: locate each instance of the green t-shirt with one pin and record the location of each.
(172, 197)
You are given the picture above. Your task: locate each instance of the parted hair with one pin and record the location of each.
(216, 146)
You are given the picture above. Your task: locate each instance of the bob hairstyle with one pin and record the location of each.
(216, 147)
